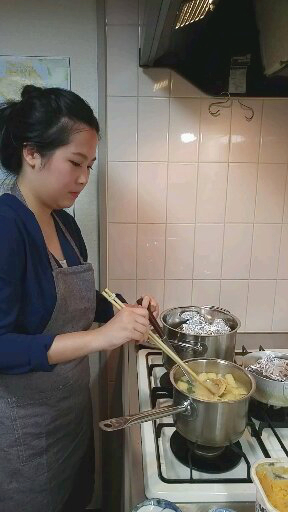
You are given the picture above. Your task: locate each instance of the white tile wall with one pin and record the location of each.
(197, 205)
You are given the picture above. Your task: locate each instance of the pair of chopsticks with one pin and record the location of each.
(157, 341)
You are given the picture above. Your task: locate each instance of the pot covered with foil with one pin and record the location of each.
(270, 371)
(197, 332)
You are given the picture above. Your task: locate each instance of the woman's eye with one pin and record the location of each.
(76, 164)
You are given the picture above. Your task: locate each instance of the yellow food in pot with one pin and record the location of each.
(274, 481)
(234, 389)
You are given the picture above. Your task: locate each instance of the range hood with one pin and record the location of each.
(235, 46)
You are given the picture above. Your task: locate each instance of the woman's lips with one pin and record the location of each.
(74, 194)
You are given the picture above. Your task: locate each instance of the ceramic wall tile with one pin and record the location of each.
(245, 135)
(122, 251)
(121, 12)
(181, 200)
(270, 192)
(179, 251)
(208, 251)
(261, 297)
(153, 118)
(122, 60)
(205, 293)
(283, 257)
(211, 192)
(154, 82)
(151, 251)
(233, 296)
(184, 129)
(182, 88)
(280, 317)
(152, 192)
(237, 251)
(122, 129)
(177, 293)
(122, 192)
(214, 134)
(241, 192)
(127, 288)
(274, 136)
(265, 251)
(154, 287)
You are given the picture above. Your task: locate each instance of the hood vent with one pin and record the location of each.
(193, 11)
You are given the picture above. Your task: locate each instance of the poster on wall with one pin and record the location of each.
(15, 72)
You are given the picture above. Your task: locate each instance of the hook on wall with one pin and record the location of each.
(245, 107)
(227, 103)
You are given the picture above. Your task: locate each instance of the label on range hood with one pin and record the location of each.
(238, 71)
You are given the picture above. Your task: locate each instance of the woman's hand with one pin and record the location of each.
(148, 299)
(129, 324)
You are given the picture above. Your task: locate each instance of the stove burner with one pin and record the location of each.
(165, 381)
(260, 411)
(206, 459)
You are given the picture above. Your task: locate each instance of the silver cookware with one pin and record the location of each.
(187, 346)
(200, 421)
(268, 391)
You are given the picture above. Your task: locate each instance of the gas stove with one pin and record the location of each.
(193, 476)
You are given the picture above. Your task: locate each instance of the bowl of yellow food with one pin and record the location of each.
(270, 477)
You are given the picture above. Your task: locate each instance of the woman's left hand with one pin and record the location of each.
(148, 299)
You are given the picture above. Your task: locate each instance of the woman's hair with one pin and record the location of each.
(44, 119)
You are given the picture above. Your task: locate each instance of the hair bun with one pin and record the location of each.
(30, 90)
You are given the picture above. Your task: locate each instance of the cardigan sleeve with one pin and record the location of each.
(19, 353)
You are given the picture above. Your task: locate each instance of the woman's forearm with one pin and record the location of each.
(67, 347)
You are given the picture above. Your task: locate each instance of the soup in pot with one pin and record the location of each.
(234, 390)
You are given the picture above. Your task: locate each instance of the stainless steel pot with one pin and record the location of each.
(194, 346)
(200, 421)
(268, 391)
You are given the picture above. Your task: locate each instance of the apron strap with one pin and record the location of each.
(69, 238)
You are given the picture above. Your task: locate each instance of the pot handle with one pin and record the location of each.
(220, 309)
(141, 417)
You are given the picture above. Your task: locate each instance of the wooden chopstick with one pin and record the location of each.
(157, 341)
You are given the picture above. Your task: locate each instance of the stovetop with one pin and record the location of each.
(167, 477)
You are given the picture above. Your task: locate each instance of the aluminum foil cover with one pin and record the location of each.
(199, 325)
(271, 367)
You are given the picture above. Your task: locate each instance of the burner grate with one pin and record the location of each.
(278, 420)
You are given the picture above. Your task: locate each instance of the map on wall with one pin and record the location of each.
(15, 72)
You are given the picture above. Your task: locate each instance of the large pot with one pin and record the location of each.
(268, 391)
(189, 346)
(200, 421)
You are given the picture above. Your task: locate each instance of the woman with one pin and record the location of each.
(47, 304)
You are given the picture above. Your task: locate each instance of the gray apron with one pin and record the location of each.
(46, 417)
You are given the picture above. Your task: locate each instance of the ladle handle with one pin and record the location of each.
(141, 417)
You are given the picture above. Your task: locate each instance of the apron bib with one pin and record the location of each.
(46, 417)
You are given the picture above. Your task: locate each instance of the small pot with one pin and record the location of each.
(200, 421)
(187, 346)
(268, 391)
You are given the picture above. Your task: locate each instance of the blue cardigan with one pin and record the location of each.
(27, 290)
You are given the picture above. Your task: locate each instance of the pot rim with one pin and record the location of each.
(196, 308)
(272, 382)
(222, 361)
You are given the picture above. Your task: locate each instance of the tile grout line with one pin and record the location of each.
(167, 166)
(196, 197)
(279, 252)
(255, 202)
(137, 166)
(226, 196)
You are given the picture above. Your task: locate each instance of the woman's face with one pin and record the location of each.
(66, 172)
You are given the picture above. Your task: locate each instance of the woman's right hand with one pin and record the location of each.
(129, 324)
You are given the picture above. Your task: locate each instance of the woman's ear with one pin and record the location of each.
(31, 157)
